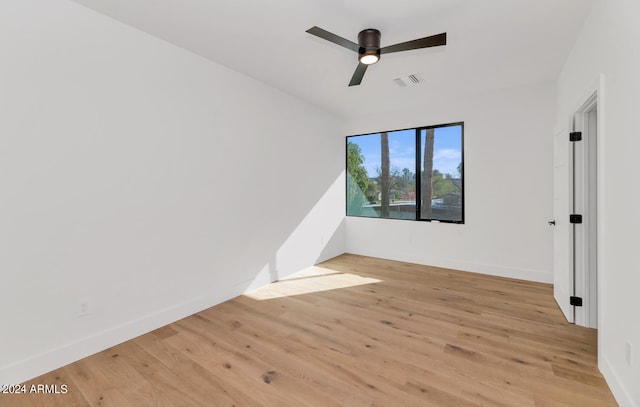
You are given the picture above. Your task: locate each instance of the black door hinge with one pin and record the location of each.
(575, 218)
(576, 301)
(575, 136)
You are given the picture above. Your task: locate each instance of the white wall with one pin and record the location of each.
(508, 188)
(608, 45)
(144, 179)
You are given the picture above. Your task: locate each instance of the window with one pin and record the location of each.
(387, 171)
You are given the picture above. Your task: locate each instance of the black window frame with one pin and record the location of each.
(418, 172)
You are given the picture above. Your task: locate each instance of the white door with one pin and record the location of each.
(563, 278)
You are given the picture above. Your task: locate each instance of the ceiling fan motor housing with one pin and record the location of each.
(369, 42)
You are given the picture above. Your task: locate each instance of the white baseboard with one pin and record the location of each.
(44, 362)
(615, 384)
(36, 365)
(540, 276)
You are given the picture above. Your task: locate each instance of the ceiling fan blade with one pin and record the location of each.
(426, 42)
(358, 74)
(331, 37)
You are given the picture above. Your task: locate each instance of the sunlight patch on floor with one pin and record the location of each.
(310, 280)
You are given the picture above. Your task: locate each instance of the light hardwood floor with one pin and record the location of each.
(353, 331)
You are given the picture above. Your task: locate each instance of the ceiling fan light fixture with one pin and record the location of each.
(369, 59)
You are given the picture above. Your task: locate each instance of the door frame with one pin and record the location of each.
(593, 98)
(584, 202)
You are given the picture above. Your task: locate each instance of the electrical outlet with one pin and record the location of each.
(83, 308)
(628, 353)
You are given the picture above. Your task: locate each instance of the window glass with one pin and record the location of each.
(441, 173)
(384, 177)
(381, 179)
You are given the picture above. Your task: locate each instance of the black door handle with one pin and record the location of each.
(552, 222)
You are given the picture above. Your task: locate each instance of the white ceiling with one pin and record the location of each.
(492, 44)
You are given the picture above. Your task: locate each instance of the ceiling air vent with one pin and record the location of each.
(409, 80)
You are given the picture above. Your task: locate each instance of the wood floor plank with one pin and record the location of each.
(94, 386)
(352, 331)
(317, 363)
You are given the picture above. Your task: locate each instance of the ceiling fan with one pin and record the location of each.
(368, 47)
